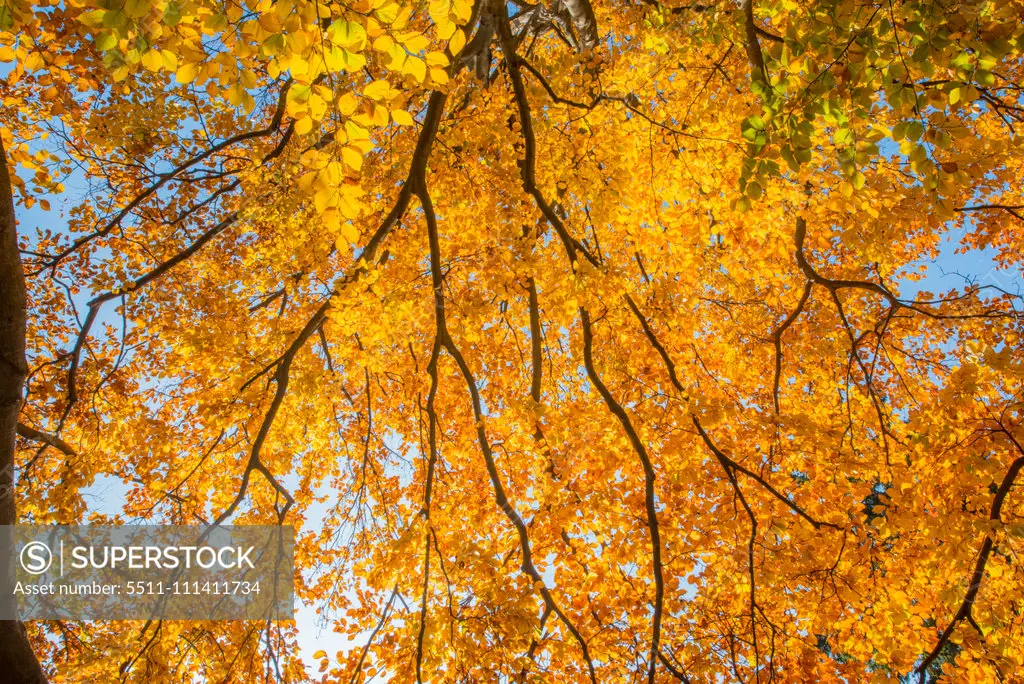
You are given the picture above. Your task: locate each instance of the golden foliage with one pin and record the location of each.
(600, 359)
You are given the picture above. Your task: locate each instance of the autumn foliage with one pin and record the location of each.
(580, 341)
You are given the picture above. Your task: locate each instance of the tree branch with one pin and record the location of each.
(978, 575)
(38, 436)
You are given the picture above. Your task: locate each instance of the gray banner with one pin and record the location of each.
(144, 572)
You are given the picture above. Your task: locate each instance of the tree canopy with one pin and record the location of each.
(581, 341)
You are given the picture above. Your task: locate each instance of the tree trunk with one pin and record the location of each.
(18, 664)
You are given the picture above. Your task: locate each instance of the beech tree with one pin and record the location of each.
(580, 341)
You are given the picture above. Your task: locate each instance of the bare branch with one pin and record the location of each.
(38, 436)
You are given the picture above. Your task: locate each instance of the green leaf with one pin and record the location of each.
(115, 19)
(353, 61)
(92, 18)
(106, 41)
(347, 34)
(790, 159)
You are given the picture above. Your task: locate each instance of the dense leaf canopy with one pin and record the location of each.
(580, 341)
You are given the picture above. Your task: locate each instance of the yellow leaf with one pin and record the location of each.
(380, 115)
(349, 209)
(435, 58)
(170, 60)
(152, 60)
(377, 90)
(347, 104)
(299, 93)
(402, 18)
(438, 76)
(388, 13)
(355, 131)
(446, 29)
(353, 61)
(321, 200)
(317, 107)
(187, 73)
(415, 42)
(463, 10)
(352, 158)
(334, 59)
(304, 125)
(235, 94)
(347, 34)
(331, 221)
(416, 67)
(438, 11)
(401, 117)
(350, 232)
(373, 27)
(457, 42)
